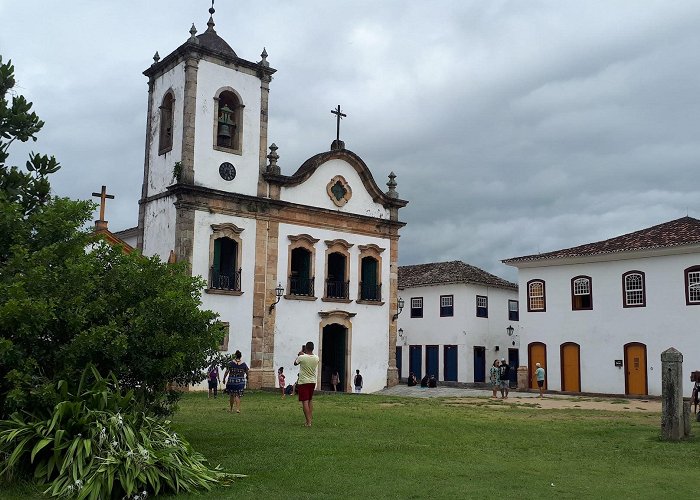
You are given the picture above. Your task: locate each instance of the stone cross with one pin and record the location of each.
(338, 115)
(103, 196)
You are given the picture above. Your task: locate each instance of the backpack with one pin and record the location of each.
(358, 380)
(289, 389)
(213, 374)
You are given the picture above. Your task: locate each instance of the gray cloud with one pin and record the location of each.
(514, 127)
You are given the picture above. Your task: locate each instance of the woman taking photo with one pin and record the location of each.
(234, 378)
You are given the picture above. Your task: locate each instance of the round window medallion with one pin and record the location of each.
(227, 171)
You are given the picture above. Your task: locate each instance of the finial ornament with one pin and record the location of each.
(273, 168)
(156, 57)
(211, 9)
(210, 23)
(392, 186)
(193, 32)
(263, 61)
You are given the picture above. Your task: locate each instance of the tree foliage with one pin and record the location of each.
(67, 300)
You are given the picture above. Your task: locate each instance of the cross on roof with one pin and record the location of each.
(339, 115)
(103, 196)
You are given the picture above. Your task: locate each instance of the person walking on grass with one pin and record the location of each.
(234, 378)
(281, 380)
(358, 382)
(213, 380)
(504, 377)
(307, 362)
(539, 375)
(493, 378)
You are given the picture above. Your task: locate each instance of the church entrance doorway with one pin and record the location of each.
(333, 356)
(636, 369)
(537, 353)
(570, 367)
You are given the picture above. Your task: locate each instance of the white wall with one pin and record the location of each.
(464, 329)
(159, 228)
(602, 332)
(298, 320)
(160, 174)
(313, 191)
(237, 310)
(210, 78)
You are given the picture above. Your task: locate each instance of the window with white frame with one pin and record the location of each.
(446, 305)
(633, 293)
(482, 306)
(536, 299)
(692, 285)
(416, 307)
(581, 295)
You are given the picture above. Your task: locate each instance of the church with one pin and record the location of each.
(286, 258)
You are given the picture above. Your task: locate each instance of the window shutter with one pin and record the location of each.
(217, 256)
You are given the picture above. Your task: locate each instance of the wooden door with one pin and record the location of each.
(570, 367)
(636, 369)
(432, 357)
(450, 357)
(513, 362)
(479, 364)
(536, 353)
(415, 360)
(399, 360)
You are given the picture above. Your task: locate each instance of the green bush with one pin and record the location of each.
(98, 444)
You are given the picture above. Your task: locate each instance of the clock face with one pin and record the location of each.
(227, 171)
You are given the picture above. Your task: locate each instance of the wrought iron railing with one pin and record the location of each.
(230, 280)
(301, 286)
(370, 291)
(337, 289)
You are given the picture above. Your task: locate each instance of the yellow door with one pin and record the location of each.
(570, 368)
(636, 369)
(537, 353)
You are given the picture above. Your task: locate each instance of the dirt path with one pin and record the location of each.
(583, 403)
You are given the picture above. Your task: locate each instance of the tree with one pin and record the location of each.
(67, 299)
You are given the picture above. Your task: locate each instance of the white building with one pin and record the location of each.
(213, 197)
(598, 316)
(455, 321)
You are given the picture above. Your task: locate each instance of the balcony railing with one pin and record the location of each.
(337, 289)
(301, 286)
(230, 280)
(370, 291)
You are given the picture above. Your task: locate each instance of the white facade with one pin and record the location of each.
(603, 331)
(463, 330)
(248, 221)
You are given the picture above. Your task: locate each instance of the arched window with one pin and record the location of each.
(228, 121)
(581, 293)
(536, 300)
(301, 257)
(370, 286)
(165, 139)
(692, 285)
(633, 291)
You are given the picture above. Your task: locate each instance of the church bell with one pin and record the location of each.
(226, 127)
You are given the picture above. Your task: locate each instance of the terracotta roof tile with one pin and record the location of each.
(679, 232)
(441, 273)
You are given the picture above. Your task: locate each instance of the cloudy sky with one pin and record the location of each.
(514, 127)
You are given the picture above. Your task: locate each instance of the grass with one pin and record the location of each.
(380, 447)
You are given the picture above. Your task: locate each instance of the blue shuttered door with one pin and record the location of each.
(479, 364)
(414, 360)
(399, 358)
(450, 363)
(432, 361)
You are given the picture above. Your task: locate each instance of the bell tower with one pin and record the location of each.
(206, 126)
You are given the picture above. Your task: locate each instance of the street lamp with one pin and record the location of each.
(399, 307)
(279, 291)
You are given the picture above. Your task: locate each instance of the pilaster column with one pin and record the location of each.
(189, 111)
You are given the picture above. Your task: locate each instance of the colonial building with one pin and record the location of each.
(457, 320)
(598, 316)
(286, 258)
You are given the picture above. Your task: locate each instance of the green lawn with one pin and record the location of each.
(378, 447)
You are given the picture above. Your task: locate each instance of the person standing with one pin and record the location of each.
(539, 375)
(234, 378)
(307, 362)
(213, 379)
(335, 380)
(358, 382)
(281, 379)
(493, 378)
(504, 377)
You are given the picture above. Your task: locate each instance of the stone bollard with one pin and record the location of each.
(523, 378)
(687, 422)
(672, 422)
